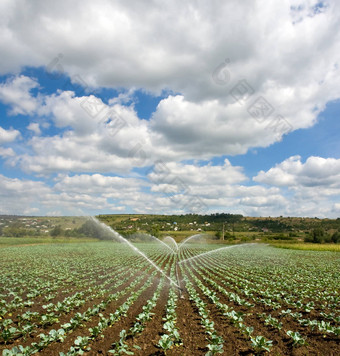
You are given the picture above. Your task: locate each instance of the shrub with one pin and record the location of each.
(336, 237)
(317, 235)
(56, 231)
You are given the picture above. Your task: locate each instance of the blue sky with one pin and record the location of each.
(322, 139)
(226, 107)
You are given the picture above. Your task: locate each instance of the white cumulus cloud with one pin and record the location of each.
(16, 92)
(8, 135)
(316, 171)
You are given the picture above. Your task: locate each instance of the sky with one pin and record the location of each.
(147, 106)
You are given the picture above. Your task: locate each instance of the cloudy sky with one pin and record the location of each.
(146, 106)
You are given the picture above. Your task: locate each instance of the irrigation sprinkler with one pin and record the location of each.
(116, 235)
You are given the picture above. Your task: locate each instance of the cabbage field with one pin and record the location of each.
(106, 298)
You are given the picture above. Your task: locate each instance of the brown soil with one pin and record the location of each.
(194, 338)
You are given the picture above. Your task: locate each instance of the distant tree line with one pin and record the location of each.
(273, 225)
(318, 235)
(88, 229)
(184, 218)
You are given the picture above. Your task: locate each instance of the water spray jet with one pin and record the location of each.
(154, 238)
(121, 238)
(189, 238)
(218, 249)
(172, 241)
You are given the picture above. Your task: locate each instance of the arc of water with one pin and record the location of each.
(188, 239)
(120, 237)
(173, 242)
(160, 241)
(218, 249)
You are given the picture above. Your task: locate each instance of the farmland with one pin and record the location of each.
(105, 298)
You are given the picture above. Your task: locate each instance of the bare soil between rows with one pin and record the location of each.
(194, 338)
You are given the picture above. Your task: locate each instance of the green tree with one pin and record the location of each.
(92, 229)
(154, 231)
(56, 231)
(317, 235)
(13, 231)
(336, 237)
